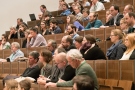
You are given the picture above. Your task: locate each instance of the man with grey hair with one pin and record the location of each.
(51, 45)
(16, 52)
(74, 58)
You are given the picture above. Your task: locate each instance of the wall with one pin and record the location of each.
(13, 9)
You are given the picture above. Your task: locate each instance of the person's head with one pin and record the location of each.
(53, 23)
(15, 46)
(51, 45)
(24, 85)
(4, 37)
(11, 84)
(40, 15)
(93, 16)
(71, 29)
(26, 33)
(45, 56)
(74, 58)
(61, 2)
(114, 10)
(13, 29)
(60, 60)
(43, 25)
(89, 38)
(123, 24)
(108, 13)
(73, 5)
(59, 50)
(94, 1)
(22, 27)
(33, 31)
(78, 42)
(83, 82)
(65, 6)
(33, 57)
(43, 8)
(86, 12)
(130, 40)
(46, 16)
(116, 35)
(77, 9)
(128, 8)
(130, 18)
(19, 21)
(66, 41)
(71, 19)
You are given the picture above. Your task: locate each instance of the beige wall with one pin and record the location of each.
(13, 9)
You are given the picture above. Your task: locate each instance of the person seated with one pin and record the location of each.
(35, 39)
(85, 15)
(78, 42)
(65, 9)
(72, 20)
(33, 69)
(115, 52)
(16, 53)
(115, 20)
(108, 16)
(4, 43)
(85, 3)
(21, 31)
(11, 85)
(96, 6)
(129, 41)
(75, 59)
(93, 21)
(124, 26)
(61, 2)
(45, 57)
(43, 29)
(67, 43)
(44, 10)
(78, 14)
(13, 33)
(51, 45)
(24, 85)
(83, 82)
(19, 22)
(54, 28)
(71, 30)
(90, 49)
(26, 33)
(128, 8)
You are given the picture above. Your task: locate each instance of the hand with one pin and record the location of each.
(29, 36)
(11, 32)
(60, 80)
(60, 46)
(50, 84)
(3, 41)
(41, 81)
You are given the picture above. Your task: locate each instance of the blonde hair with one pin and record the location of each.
(13, 27)
(118, 32)
(131, 41)
(11, 84)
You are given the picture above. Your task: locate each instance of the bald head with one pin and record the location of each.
(128, 8)
(61, 57)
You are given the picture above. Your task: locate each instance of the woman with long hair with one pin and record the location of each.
(43, 29)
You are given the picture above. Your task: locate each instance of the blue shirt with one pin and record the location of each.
(78, 26)
(65, 13)
(15, 55)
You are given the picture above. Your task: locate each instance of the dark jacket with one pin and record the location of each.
(132, 57)
(46, 33)
(70, 47)
(94, 53)
(111, 21)
(117, 52)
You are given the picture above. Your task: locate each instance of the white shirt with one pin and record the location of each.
(126, 56)
(97, 7)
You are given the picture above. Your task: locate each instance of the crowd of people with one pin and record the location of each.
(69, 67)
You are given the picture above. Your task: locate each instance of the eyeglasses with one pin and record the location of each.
(58, 63)
(112, 35)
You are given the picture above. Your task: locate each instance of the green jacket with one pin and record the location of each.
(83, 69)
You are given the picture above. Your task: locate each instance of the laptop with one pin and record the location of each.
(32, 17)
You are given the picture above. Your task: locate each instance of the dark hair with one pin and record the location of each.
(54, 21)
(35, 55)
(79, 39)
(47, 55)
(131, 14)
(69, 39)
(72, 26)
(65, 4)
(116, 7)
(34, 29)
(43, 6)
(24, 26)
(26, 84)
(90, 38)
(21, 20)
(5, 36)
(53, 43)
(86, 10)
(84, 82)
